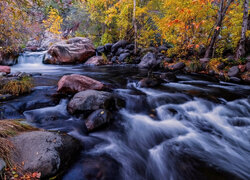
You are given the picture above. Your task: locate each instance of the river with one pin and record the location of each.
(196, 128)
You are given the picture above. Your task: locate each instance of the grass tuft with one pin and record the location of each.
(18, 87)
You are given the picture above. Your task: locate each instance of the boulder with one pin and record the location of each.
(44, 152)
(119, 44)
(48, 40)
(8, 59)
(75, 83)
(248, 66)
(97, 119)
(235, 79)
(149, 82)
(149, 61)
(248, 58)
(100, 50)
(123, 56)
(119, 51)
(130, 47)
(233, 71)
(179, 66)
(95, 61)
(5, 69)
(90, 100)
(108, 47)
(113, 59)
(73, 51)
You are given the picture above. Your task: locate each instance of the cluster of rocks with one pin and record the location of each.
(234, 73)
(89, 100)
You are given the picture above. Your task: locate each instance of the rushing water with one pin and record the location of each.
(196, 128)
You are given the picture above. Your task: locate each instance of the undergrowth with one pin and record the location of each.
(18, 87)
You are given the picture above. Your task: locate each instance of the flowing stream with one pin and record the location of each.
(196, 128)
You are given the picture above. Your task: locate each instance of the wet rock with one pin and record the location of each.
(149, 82)
(113, 59)
(119, 51)
(108, 47)
(119, 44)
(242, 68)
(233, 71)
(75, 50)
(123, 56)
(5, 69)
(248, 58)
(5, 97)
(100, 50)
(97, 119)
(230, 58)
(95, 61)
(169, 77)
(44, 152)
(90, 100)
(248, 66)
(211, 72)
(221, 76)
(2, 165)
(149, 61)
(75, 83)
(179, 66)
(221, 66)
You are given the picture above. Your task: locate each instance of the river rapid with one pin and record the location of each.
(195, 128)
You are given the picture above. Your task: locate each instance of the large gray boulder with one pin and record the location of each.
(179, 66)
(89, 100)
(73, 51)
(44, 152)
(149, 61)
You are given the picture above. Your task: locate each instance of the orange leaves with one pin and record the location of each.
(16, 174)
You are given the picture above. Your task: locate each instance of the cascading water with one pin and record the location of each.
(195, 128)
(30, 62)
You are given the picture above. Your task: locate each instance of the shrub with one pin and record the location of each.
(18, 87)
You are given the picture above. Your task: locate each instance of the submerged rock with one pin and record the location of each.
(45, 152)
(97, 119)
(90, 100)
(75, 83)
(149, 82)
(169, 77)
(75, 50)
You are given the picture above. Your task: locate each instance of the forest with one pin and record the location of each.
(124, 89)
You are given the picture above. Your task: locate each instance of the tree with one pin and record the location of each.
(223, 7)
(53, 22)
(242, 43)
(135, 26)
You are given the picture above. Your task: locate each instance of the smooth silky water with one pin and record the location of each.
(196, 128)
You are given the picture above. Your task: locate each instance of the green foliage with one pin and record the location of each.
(18, 87)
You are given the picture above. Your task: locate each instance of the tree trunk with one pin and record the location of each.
(241, 51)
(221, 14)
(135, 26)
